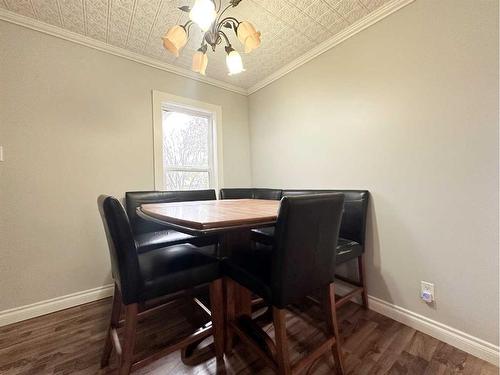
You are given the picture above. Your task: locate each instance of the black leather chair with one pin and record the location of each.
(149, 235)
(351, 243)
(298, 264)
(141, 278)
(250, 193)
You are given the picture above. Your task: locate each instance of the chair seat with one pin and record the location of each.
(154, 240)
(347, 250)
(263, 235)
(251, 269)
(171, 269)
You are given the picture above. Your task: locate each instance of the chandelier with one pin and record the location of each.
(207, 15)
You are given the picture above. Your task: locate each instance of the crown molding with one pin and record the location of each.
(355, 28)
(71, 36)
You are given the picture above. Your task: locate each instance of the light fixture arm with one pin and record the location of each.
(221, 13)
(230, 20)
(228, 43)
(232, 4)
(187, 26)
(203, 47)
(209, 16)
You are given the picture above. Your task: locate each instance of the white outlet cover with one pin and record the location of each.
(427, 291)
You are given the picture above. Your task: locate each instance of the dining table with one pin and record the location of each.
(231, 220)
(212, 216)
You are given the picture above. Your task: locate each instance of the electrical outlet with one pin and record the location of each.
(427, 291)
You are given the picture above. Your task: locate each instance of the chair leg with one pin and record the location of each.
(362, 280)
(230, 313)
(131, 312)
(334, 327)
(282, 355)
(113, 324)
(217, 311)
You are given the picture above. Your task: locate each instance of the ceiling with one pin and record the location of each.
(290, 28)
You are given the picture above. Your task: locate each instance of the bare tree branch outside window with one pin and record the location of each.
(186, 151)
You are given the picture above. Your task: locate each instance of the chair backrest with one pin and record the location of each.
(271, 194)
(134, 199)
(250, 193)
(122, 248)
(306, 235)
(353, 225)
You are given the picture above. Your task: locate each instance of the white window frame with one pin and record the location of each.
(163, 101)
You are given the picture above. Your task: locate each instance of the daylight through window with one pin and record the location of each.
(187, 150)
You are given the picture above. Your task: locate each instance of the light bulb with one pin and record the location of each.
(233, 62)
(203, 13)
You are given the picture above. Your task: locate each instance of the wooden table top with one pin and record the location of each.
(213, 215)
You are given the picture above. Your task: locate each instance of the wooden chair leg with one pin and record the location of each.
(230, 313)
(217, 311)
(334, 327)
(282, 355)
(113, 324)
(362, 280)
(131, 312)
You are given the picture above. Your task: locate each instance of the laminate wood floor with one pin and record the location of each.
(70, 342)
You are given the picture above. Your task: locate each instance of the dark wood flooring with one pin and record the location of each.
(70, 342)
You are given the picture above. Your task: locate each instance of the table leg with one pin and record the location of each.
(238, 299)
(243, 301)
(233, 242)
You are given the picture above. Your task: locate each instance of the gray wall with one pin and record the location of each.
(409, 110)
(77, 123)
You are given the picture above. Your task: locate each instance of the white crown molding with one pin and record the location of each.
(452, 336)
(55, 304)
(355, 28)
(71, 36)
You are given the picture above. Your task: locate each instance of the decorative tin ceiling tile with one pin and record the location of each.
(290, 28)
(22, 7)
(47, 11)
(373, 4)
(72, 15)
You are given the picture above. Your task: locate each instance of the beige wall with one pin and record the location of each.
(77, 123)
(409, 110)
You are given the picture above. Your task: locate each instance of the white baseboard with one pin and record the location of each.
(461, 340)
(55, 304)
(454, 337)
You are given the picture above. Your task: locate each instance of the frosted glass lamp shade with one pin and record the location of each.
(203, 14)
(234, 63)
(175, 39)
(248, 36)
(200, 62)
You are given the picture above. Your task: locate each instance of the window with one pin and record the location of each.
(187, 150)
(186, 139)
